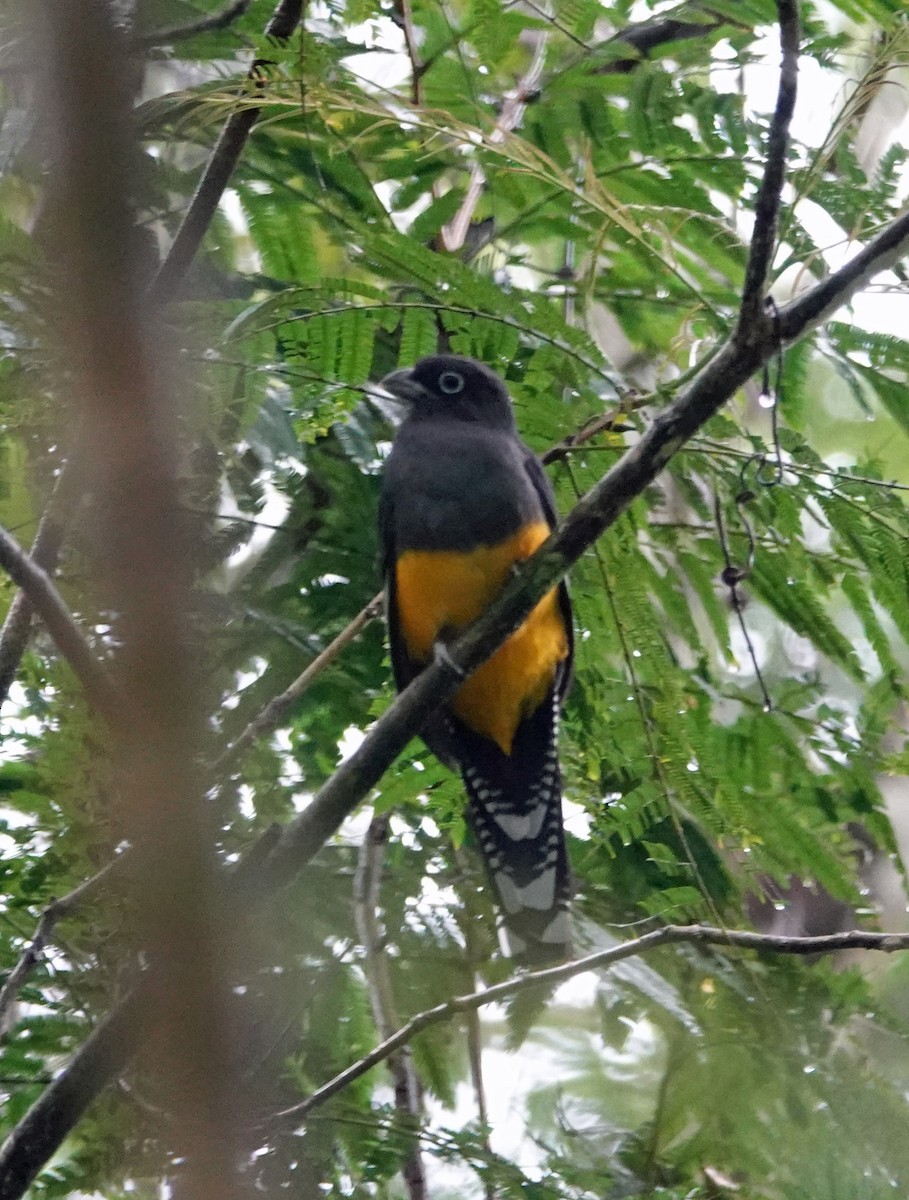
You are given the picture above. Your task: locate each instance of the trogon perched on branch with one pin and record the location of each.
(463, 501)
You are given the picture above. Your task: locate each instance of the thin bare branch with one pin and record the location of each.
(271, 717)
(512, 113)
(54, 912)
(767, 202)
(403, 16)
(45, 553)
(609, 422)
(367, 886)
(473, 1028)
(204, 204)
(29, 957)
(179, 33)
(646, 36)
(700, 935)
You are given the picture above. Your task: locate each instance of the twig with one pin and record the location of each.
(270, 718)
(767, 202)
(473, 1028)
(650, 35)
(709, 389)
(47, 602)
(204, 203)
(179, 33)
(700, 935)
(54, 912)
(475, 1060)
(454, 233)
(218, 170)
(9, 993)
(404, 18)
(44, 553)
(367, 883)
(608, 422)
(732, 576)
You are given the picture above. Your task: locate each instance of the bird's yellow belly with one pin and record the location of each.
(440, 591)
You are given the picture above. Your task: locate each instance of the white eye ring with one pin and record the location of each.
(450, 382)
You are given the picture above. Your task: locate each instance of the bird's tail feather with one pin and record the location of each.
(515, 812)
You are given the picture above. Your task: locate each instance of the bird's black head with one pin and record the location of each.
(447, 385)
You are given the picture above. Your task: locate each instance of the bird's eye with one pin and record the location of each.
(450, 382)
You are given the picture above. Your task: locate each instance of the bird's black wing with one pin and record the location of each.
(436, 732)
(403, 666)
(544, 491)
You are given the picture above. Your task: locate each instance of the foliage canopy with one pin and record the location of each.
(528, 187)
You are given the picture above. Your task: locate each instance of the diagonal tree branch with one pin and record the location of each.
(42, 596)
(271, 716)
(54, 912)
(178, 33)
(669, 935)
(218, 170)
(45, 553)
(813, 307)
(646, 36)
(37, 1137)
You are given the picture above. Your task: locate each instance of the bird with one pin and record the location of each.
(463, 501)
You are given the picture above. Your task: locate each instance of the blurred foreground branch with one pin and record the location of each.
(112, 358)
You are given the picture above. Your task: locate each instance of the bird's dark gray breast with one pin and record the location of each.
(454, 485)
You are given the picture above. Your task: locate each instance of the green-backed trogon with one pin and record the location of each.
(463, 501)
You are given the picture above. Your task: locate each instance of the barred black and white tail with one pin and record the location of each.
(515, 812)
